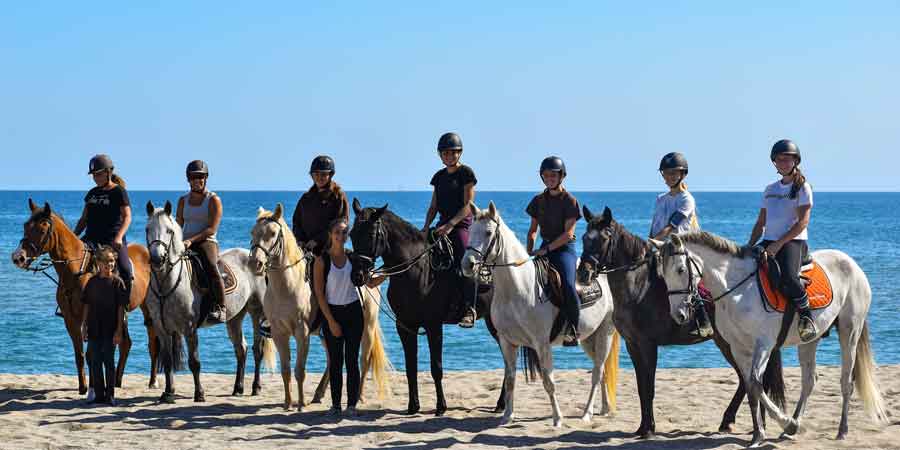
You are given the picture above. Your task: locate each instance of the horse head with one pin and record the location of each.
(598, 244)
(164, 237)
(36, 237)
(267, 238)
(484, 239)
(369, 240)
(682, 272)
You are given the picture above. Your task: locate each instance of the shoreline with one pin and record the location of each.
(45, 410)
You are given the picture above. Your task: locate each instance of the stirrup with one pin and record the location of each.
(465, 322)
(265, 329)
(806, 328)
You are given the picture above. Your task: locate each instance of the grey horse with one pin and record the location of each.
(175, 302)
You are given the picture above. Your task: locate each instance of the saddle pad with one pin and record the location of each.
(548, 277)
(818, 289)
(228, 278)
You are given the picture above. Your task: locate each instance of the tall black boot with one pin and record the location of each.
(806, 327)
(704, 325)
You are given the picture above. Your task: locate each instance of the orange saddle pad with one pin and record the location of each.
(818, 288)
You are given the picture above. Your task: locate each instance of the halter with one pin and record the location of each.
(276, 249)
(603, 268)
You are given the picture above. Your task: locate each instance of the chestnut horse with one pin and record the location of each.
(47, 233)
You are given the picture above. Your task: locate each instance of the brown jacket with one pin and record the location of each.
(315, 210)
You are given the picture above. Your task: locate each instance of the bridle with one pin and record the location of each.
(380, 246)
(274, 250)
(166, 269)
(484, 266)
(601, 261)
(692, 292)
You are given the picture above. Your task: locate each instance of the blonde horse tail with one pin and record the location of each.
(864, 377)
(611, 370)
(377, 357)
(268, 351)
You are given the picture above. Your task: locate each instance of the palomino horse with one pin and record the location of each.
(642, 313)
(47, 233)
(753, 331)
(175, 303)
(420, 295)
(291, 311)
(523, 318)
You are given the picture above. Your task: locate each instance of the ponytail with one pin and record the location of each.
(115, 178)
(799, 181)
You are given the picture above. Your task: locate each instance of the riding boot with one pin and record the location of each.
(217, 313)
(704, 326)
(265, 328)
(469, 291)
(571, 339)
(806, 327)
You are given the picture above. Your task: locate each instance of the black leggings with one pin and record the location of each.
(789, 259)
(344, 351)
(102, 367)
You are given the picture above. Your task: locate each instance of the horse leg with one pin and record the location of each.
(501, 401)
(509, 379)
(411, 360)
(849, 338)
(257, 354)
(78, 347)
(301, 334)
(124, 349)
(597, 347)
(236, 335)
(323, 382)
(194, 364)
(728, 418)
(167, 353)
(545, 355)
(642, 356)
(807, 355)
(436, 348)
(152, 347)
(283, 345)
(760, 360)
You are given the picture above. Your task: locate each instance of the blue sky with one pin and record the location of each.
(259, 88)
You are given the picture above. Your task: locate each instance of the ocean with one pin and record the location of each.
(864, 225)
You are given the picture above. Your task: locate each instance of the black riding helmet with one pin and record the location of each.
(322, 163)
(554, 164)
(197, 167)
(785, 147)
(99, 163)
(674, 160)
(449, 141)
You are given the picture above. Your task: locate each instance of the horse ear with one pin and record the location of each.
(588, 217)
(475, 211)
(150, 208)
(379, 212)
(357, 208)
(168, 208)
(607, 214)
(31, 205)
(676, 240)
(47, 210)
(656, 243)
(279, 211)
(492, 210)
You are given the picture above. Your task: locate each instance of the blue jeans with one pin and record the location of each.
(564, 260)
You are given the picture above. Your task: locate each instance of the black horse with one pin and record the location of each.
(641, 313)
(420, 296)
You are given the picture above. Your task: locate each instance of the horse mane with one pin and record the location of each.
(406, 230)
(628, 242)
(292, 251)
(714, 242)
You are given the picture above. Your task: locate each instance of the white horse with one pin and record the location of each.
(174, 303)
(752, 331)
(523, 316)
(291, 311)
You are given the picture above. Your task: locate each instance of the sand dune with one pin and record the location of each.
(45, 411)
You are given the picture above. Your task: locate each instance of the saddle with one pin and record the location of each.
(818, 286)
(200, 279)
(547, 277)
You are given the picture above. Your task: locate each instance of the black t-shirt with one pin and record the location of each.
(552, 212)
(104, 213)
(104, 295)
(450, 190)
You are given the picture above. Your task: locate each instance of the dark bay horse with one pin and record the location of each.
(641, 313)
(47, 233)
(420, 296)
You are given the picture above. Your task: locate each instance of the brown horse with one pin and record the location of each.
(47, 233)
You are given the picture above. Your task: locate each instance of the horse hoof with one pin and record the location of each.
(506, 419)
(726, 428)
(199, 398)
(237, 392)
(82, 390)
(757, 440)
(287, 406)
(644, 434)
(255, 391)
(587, 418)
(557, 423)
(167, 397)
(440, 410)
(412, 409)
(842, 435)
(153, 385)
(300, 407)
(499, 409)
(791, 428)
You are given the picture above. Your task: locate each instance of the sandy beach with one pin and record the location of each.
(45, 411)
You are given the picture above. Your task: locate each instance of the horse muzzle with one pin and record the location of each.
(467, 265)
(20, 258)
(585, 273)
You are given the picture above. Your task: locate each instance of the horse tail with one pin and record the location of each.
(179, 362)
(773, 379)
(611, 370)
(531, 364)
(379, 361)
(268, 355)
(864, 377)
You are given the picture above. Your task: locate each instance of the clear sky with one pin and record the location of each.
(259, 88)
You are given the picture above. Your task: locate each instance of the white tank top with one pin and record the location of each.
(338, 288)
(196, 218)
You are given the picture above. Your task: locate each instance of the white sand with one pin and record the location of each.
(45, 411)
